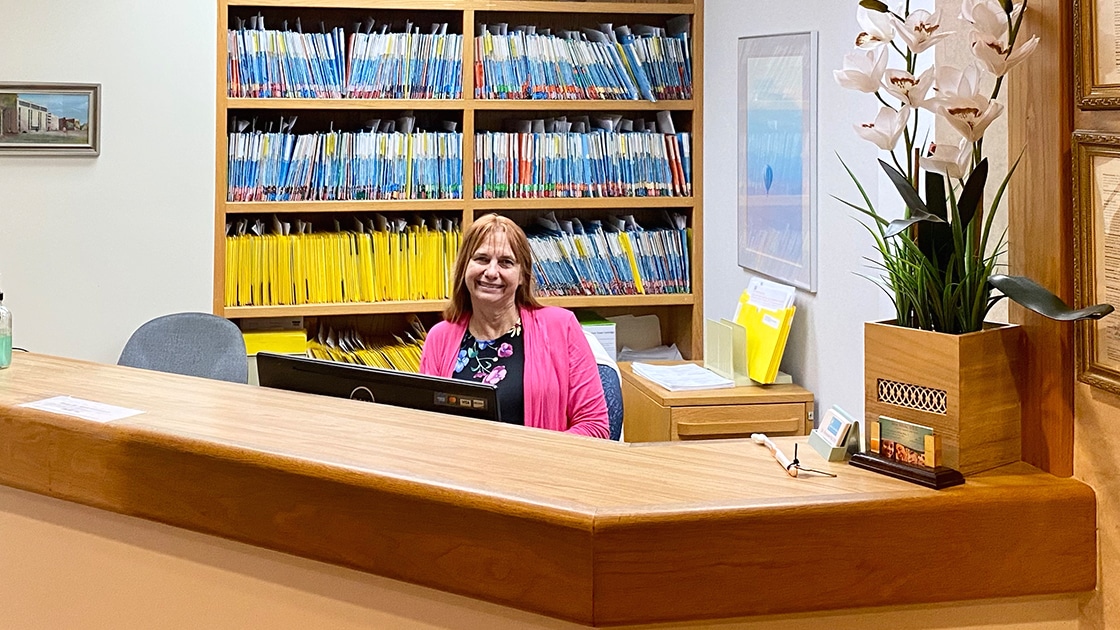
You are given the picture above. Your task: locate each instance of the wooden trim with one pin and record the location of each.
(1040, 122)
(435, 306)
(343, 103)
(373, 205)
(696, 351)
(221, 165)
(543, 6)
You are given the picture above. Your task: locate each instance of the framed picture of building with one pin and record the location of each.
(50, 118)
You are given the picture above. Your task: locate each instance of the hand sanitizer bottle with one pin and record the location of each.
(5, 334)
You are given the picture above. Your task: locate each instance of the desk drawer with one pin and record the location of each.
(720, 421)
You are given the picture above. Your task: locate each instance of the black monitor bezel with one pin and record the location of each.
(393, 387)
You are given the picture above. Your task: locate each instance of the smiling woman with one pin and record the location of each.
(495, 331)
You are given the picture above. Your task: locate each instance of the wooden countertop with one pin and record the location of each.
(587, 530)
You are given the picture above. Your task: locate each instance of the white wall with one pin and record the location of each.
(90, 248)
(825, 349)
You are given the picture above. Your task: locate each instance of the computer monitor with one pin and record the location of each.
(388, 387)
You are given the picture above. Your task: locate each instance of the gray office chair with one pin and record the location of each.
(612, 389)
(194, 344)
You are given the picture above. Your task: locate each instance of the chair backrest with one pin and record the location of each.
(194, 344)
(612, 389)
(612, 386)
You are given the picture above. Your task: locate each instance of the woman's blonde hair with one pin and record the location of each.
(475, 236)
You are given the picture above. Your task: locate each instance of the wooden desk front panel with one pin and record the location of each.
(589, 530)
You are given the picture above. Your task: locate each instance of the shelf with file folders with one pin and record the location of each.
(583, 56)
(610, 255)
(334, 309)
(467, 105)
(344, 156)
(395, 348)
(580, 156)
(416, 54)
(477, 206)
(290, 52)
(343, 207)
(394, 344)
(282, 261)
(289, 261)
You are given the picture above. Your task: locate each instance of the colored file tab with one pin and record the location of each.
(765, 311)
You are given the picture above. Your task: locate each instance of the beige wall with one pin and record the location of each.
(1096, 461)
(1096, 457)
(67, 566)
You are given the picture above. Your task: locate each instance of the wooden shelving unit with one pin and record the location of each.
(681, 315)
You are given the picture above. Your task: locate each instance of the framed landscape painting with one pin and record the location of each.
(50, 118)
(777, 157)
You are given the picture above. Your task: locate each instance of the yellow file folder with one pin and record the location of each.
(767, 331)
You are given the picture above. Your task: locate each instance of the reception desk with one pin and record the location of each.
(585, 530)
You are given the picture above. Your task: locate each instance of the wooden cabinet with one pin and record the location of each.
(680, 313)
(653, 413)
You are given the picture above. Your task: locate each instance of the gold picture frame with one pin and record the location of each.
(1096, 46)
(1096, 262)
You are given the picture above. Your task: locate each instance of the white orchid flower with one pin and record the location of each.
(968, 9)
(997, 55)
(988, 17)
(877, 29)
(862, 71)
(921, 30)
(951, 84)
(948, 160)
(887, 128)
(903, 86)
(970, 116)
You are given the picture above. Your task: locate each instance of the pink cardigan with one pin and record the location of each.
(562, 387)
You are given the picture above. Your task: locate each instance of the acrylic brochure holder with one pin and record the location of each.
(725, 350)
(726, 353)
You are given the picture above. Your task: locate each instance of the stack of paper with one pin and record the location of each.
(682, 376)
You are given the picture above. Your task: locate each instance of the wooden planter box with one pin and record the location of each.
(964, 386)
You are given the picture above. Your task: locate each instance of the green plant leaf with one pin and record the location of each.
(871, 213)
(973, 193)
(935, 194)
(874, 5)
(935, 238)
(1037, 298)
(899, 225)
(909, 195)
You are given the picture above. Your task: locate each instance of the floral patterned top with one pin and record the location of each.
(498, 362)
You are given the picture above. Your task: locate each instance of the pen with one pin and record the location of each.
(760, 438)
